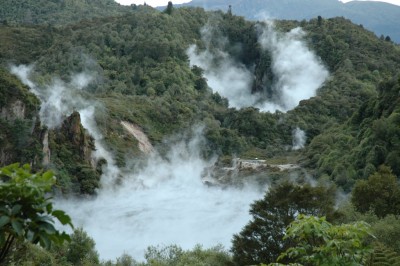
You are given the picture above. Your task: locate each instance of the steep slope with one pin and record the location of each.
(369, 139)
(20, 131)
(135, 70)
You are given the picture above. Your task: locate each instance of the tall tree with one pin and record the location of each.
(380, 193)
(261, 240)
(169, 8)
(318, 242)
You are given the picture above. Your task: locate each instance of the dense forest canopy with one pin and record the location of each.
(377, 16)
(77, 77)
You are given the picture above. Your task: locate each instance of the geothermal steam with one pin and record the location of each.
(162, 203)
(59, 100)
(297, 70)
(299, 139)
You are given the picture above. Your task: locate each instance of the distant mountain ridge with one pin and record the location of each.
(381, 18)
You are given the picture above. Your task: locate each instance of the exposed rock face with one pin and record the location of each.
(71, 153)
(77, 136)
(46, 149)
(242, 169)
(144, 143)
(20, 134)
(15, 110)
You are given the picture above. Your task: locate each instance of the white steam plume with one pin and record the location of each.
(229, 78)
(225, 76)
(297, 70)
(59, 100)
(299, 139)
(164, 203)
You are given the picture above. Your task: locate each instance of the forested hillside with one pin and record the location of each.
(57, 12)
(381, 18)
(78, 77)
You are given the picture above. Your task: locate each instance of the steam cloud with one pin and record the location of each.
(59, 100)
(229, 78)
(297, 70)
(299, 139)
(163, 203)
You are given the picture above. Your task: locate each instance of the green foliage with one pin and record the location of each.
(57, 12)
(261, 240)
(71, 148)
(357, 148)
(384, 256)
(28, 254)
(26, 213)
(18, 126)
(379, 194)
(169, 8)
(79, 251)
(141, 61)
(318, 242)
(175, 256)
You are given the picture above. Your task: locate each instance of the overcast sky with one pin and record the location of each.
(152, 2)
(394, 2)
(164, 2)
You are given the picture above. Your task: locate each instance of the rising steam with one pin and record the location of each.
(163, 203)
(229, 78)
(59, 100)
(297, 70)
(299, 139)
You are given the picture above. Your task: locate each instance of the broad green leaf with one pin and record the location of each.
(4, 220)
(65, 237)
(26, 167)
(49, 207)
(44, 241)
(5, 171)
(17, 226)
(4, 210)
(46, 219)
(48, 175)
(62, 217)
(16, 209)
(47, 227)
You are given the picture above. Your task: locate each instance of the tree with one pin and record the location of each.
(26, 212)
(169, 8)
(175, 256)
(380, 193)
(318, 242)
(79, 251)
(261, 240)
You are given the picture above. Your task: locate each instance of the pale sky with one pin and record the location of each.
(165, 2)
(152, 2)
(394, 2)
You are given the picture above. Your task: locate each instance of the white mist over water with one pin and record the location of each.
(297, 70)
(164, 202)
